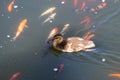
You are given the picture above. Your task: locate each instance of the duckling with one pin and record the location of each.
(71, 44)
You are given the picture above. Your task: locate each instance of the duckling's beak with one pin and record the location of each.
(49, 41)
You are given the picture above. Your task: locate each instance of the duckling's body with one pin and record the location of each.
(71, 44)
(75, 44)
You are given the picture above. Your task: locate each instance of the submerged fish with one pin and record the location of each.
(75, 2)
(86, 21)
(52, 16)
(99, 7)
(15, 76)
(10, 6)
(21, 26)
(66, 26)
(60, 68)
(50, 10)
(114, 75)
(88, 36)
(83, 5)
(53, 32)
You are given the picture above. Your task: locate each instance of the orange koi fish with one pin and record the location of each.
(86, 21)
(114, 75)
(53, 32)
(21, 26)
(75, 3)
(88, 36)
(15, 76)
(10, 6)
(83, 5)
(100, 6)
(60, 68)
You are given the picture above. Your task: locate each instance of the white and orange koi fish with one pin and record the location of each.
(21, 26)
(53, 32)
(52, 16)
(50, 10)
(66, 26)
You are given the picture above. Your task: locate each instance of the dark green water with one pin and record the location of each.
(30, 55)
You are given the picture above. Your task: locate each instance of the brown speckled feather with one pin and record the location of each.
(75, 44)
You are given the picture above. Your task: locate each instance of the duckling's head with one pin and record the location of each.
(59, 43)
(57, 40)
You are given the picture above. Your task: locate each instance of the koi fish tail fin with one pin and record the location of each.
(39, 16)
(14, 38)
